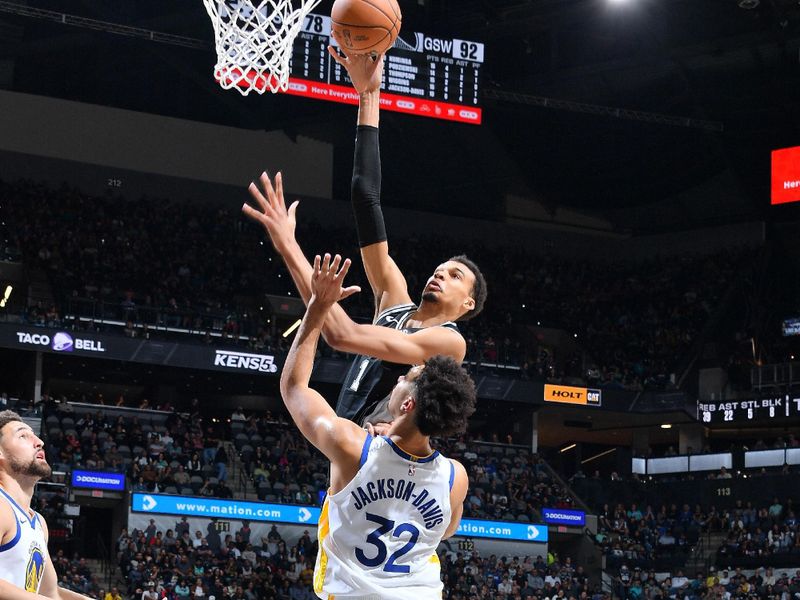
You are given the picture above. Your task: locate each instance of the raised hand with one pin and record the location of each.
(365, 70)
(326, 282)
(278, 221)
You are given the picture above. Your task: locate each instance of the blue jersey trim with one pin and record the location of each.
(365, 450)
(31, 519)
(452, 475)
(403, 454)
(12, 543)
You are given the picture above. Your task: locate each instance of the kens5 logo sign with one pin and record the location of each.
(572, 395)
(263, 363)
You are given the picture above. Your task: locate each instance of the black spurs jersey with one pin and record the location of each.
(370, 380)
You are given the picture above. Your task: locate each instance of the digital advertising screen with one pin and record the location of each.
(791, 327)
(96, 480)
(785, 175)
(423, 75)
(214, 508)
(563, 516)
(761, 410)
(572, 395)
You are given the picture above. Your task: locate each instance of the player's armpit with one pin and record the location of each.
(398, 347)
(458, 494)
(387, 281)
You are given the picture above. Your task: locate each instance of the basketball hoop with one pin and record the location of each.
(254, 41)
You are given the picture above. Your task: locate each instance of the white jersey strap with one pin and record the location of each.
(394, 310)
(17, 508)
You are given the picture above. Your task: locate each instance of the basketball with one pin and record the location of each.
(366, 26)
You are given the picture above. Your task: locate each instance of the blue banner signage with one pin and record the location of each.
(503, 530)
(564, 516)
(96, 480)
(213, 508)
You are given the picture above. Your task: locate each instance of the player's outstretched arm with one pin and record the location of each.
(339, 439)
(386, 280)
(396, 346)
(8, 591)
(457, 496)
(366, 74)
(279, 223)
(340, 331)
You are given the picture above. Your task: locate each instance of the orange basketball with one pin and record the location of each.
(366, 26)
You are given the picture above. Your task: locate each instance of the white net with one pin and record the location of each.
(254, 41)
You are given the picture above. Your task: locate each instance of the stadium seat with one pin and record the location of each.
(240, 440)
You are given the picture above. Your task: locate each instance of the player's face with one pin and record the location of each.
(403, 389)
(23, 451)
(451, 285)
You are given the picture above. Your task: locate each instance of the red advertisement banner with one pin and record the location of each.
(405, 104)
(786, 175)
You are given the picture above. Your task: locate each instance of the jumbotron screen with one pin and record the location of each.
(786, 175)
(423, 75)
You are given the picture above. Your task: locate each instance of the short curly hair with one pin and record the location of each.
(479, 292)
(445, 397)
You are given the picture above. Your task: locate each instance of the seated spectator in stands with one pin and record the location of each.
(221, 462)
(113, 594)
(150, 593)
(775, 509)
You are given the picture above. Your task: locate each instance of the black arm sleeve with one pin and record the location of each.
(365, 190)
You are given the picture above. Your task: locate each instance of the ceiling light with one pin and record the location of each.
(566, 448)
(666, 426)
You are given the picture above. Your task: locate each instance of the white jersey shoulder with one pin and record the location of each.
(378, 535)
(22, 557)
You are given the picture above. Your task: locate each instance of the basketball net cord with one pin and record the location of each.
(254, 42)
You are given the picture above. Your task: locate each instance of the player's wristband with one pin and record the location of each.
(365, 191)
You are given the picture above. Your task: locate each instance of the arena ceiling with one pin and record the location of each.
(703, 59)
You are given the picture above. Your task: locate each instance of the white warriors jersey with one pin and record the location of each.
(22, 557)
(378, 535)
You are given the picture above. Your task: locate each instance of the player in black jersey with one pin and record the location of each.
(456, 290)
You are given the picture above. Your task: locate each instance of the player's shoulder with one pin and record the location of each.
(458, 473)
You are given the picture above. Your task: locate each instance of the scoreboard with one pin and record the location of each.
(423, 75)
(759, 411)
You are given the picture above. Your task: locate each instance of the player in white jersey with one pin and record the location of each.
(26, 571)
(392, 499)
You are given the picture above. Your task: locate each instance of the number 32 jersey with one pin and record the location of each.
(378, 535)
